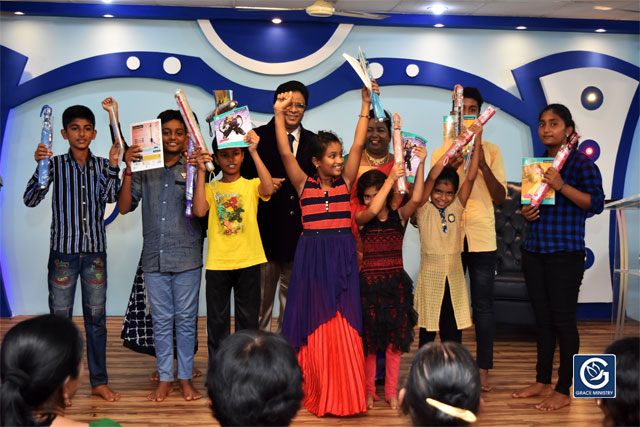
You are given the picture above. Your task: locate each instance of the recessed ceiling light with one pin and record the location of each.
(602, 8)
(601, 30)
(437, 9)
(108, 16)
(521, 27)
(17, 12)
(276, 21)
(106, 1)
(439, 25)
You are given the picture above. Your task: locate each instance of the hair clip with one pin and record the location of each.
(463, 414)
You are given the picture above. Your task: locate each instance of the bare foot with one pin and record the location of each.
(393, 402)
(484, 380)
(104, 392)
(370, 400)
(161, 392)
(188, 390)
(553, 402)
(195, 372)
(537, 389)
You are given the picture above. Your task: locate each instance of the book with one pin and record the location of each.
(533, 169)
(223, 96)
(149, 135)
(411, 140)
(448, 136)
(231, 127)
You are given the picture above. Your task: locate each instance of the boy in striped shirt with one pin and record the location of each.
(82, 186)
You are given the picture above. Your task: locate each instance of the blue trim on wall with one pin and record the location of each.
(294, 41)
(83, 10)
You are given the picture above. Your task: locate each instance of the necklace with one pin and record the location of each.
(375, 161)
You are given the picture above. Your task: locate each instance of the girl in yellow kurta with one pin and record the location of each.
(441, 292)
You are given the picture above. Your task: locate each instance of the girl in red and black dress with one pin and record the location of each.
(385, 288)
(323, 319)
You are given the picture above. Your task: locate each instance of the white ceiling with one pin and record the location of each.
(578, 9)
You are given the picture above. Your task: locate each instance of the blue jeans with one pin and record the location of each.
(62, 279)
(482, 271)
(174, 298)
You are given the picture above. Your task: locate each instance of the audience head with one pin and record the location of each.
(446, 374)
(624, 409)
(255, 380)
(41, 365)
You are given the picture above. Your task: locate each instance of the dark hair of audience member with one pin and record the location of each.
(473, 93)
(38, 356)
(624, 409)
(255, 379)
(447, 373)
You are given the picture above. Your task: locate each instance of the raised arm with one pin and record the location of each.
(467, 185)
(380, 199)
(416, 196)
(431, 179)
(350, 171)
(200, 204)
(295, 173)
(267, 186)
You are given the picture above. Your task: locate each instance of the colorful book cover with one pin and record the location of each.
(533, 169)
(411, 140)
(231, 127)
(223, 96)
(447, 132)
(149, 135)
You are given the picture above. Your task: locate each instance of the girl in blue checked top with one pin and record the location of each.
(553, 256)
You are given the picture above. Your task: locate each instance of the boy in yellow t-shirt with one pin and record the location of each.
(235, 249)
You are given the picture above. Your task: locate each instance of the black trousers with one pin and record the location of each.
(553, 281)
(482, 271)
(245, 283)
(448, 326)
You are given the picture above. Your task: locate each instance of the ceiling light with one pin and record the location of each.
(439, 25)
(106, 1)
(521, 27)
(602, 8)
(18, 13)
(437, 9)
(601, 30)
(108, 16)
(276, 21)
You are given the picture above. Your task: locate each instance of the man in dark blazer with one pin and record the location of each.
(279, 219)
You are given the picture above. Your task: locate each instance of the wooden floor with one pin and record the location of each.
(514, 367)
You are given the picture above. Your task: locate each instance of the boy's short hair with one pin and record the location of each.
(625, 407)
(292, 86)
(473, 93)
(77, 112)
(168, 115)
(255, 379)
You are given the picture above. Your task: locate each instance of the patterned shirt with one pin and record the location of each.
(170, 244)
(80, 194)
(325, 209)
(561, 226)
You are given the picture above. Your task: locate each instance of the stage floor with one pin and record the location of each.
(514, 367)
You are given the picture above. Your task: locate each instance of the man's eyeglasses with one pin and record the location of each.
(298, 105)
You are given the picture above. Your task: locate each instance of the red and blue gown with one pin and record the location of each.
(323, 318)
